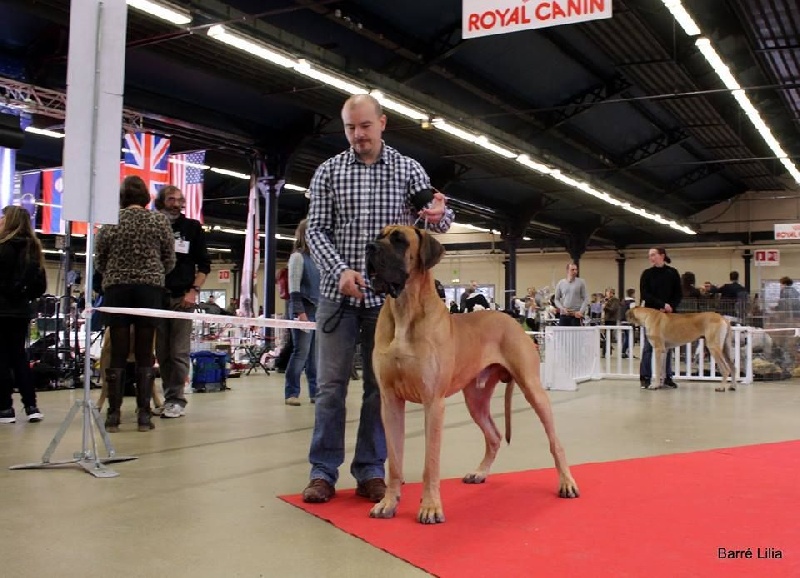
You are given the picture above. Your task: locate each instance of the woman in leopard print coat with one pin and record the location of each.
(133, 257)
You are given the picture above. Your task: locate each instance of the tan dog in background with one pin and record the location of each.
(105, 362)
(423, 354)
(668, 330)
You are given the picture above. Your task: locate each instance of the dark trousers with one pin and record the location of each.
(569, 321)
(14, 361)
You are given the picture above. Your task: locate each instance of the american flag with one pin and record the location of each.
(146, 156)
(186, 173)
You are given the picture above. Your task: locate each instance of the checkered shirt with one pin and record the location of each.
(351, 202)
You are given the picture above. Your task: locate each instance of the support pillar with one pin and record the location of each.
(621, 275)
(747, 257)
(511, 269)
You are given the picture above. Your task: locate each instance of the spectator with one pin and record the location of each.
(473, 286)
(476, 301)
(571, 298)
(338, 229)
(211, 306)
(611, 308)
(133, 257)
(788, 302)
(660, 286)
(20, 251)
(183, 283)
(303, 301)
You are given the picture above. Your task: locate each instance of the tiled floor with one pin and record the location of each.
(201, 499)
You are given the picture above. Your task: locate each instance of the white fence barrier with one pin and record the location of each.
(575, 354)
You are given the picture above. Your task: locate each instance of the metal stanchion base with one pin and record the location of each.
(86, 458)
(96, 467)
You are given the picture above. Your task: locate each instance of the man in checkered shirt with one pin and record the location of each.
(353, 196)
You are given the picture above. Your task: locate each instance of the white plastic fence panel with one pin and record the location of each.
(573, 356)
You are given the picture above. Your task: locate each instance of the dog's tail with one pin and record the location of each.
(509, 394)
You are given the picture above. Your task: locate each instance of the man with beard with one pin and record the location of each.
(173, 337)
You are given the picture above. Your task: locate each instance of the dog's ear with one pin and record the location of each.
(430, 250)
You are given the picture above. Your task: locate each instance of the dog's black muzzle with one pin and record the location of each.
(386, 268)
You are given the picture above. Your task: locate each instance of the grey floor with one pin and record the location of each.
(201, 499)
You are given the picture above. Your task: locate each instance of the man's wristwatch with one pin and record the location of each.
(196, 288)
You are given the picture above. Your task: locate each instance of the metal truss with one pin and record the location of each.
(653, 147)
(584, 100)
(50, 103)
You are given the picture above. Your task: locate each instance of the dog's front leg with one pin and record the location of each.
(430, 509)
(394, 423)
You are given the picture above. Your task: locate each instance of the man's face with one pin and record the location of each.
(363, 128)
(655, 257)
(174, 202)
(572, 271)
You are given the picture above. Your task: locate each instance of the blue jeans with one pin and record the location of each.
(303, 357)
(335, 351)
(645, 367)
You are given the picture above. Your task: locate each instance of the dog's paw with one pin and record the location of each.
(430, 514)
(386, 508)
(474, 478)
(720, 389)
(568, 489)
(731, 388)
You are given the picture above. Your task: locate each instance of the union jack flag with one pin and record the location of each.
(186, 173)
(146, 156)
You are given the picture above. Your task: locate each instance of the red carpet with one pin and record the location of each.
(665, 516)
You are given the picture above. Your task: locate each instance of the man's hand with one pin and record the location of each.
(351, 284)
(190, 298)
(578, 315)
(667, 308)
(437, 208)
(302, 317)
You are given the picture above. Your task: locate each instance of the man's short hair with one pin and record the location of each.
(734, 276)
(630, 292)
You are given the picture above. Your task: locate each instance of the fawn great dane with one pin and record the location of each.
(424, 354)
(668, 330)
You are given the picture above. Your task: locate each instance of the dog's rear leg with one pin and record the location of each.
(393, 414)
(537, 397)
(430, 508)
(478, 403)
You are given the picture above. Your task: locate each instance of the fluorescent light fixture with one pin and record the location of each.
(284, 237)
(161, 10)
(44, 132)
(305, 68)
(398, 107)
(291, 187)
(682, 17)
(229, 173)
(220, 33)
(526, 161)
(727, 78)
(722, 70)
(219, 250)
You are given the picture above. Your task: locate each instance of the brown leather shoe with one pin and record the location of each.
(318, 491)
(373, 489)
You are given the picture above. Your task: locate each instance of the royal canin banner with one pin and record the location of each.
(485, 17)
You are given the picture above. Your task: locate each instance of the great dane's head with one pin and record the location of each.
(633, 315)
(399, 254)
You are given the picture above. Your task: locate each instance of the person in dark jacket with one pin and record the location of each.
(660, 288)
(18, 247)
(183, 283)
(303, 300)
(133, 257)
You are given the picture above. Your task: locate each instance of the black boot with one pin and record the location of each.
(114, 385)
(144, 391)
